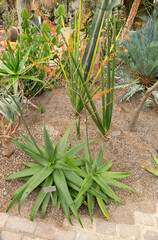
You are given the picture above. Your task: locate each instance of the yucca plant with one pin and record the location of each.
(50, 169)
(141, 56)
(79, 86)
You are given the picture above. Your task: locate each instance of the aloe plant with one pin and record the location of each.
(77, 179)
(153, 170)
(92, 183)
(51, 168)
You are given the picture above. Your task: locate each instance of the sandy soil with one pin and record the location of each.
(128, 150)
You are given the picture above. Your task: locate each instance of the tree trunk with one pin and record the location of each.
(8, 147)
(143, 6)
(136, 115)
(28, 6)
(132, 14)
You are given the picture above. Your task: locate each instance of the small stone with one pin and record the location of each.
(126, 231)
(105, 227)
(45, 230)
(3, 218)
(143, 218)
(145, 129)
(65, 234)
(87, 236)
(10, 236)
(150, 235)
(20, 224)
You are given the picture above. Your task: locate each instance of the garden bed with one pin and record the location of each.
(128, 150)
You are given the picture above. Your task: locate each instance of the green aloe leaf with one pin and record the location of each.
(106, 189)
(86, 184)
(74, 150)
(22, 63)
(155, 159)
(118, 184)
(38, 158)
(103, 208)
(91, 203)
(62, 187)
(32, 145)
(45, 204)
(63, 166)
(62, 145)
(26, 172)
(65, 208)
(38, 178)
(97, 162)
(152, 170)
(105, 167)
(48, 143)
(15, 199)
(114, 175)
(48, 182)
(4, 67)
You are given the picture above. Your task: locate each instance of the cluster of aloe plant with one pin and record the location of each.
(77, 179)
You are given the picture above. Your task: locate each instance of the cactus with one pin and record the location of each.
(13, 35)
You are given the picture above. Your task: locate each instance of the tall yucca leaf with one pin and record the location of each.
(110, 81)
(103, 7)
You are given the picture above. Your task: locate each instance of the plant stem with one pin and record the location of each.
(136, 115)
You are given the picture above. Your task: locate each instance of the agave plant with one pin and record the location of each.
(50, 168)
(141, 56)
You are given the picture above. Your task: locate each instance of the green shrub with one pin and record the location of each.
(15, 72)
